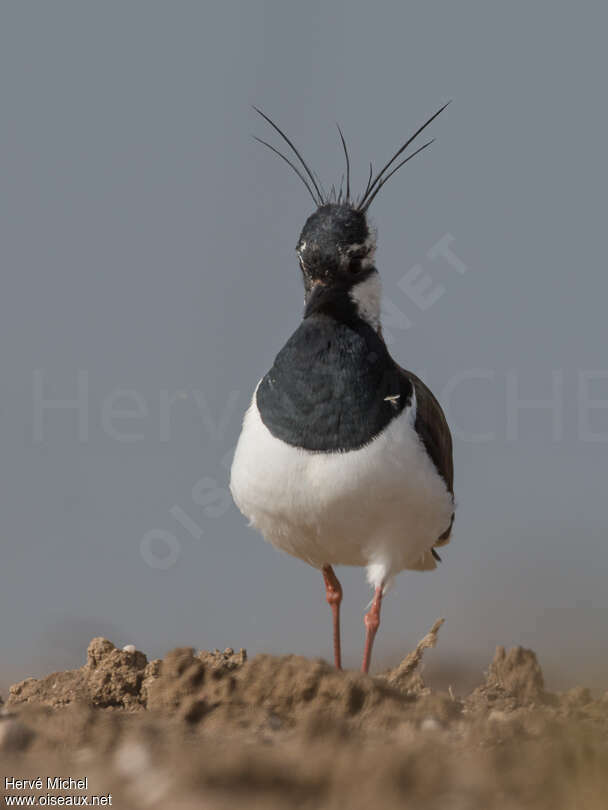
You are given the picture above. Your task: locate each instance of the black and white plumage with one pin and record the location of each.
(344, 457)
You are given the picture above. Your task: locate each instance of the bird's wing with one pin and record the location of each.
(432, 427)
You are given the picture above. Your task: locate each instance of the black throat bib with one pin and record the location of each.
(333, 386)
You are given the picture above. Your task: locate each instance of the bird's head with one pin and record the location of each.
(336, 253)
(337, 245)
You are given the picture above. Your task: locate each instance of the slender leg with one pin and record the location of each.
(333, 592)
(372, 623)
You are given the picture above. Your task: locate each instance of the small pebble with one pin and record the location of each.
(132, 759)
(497, 716)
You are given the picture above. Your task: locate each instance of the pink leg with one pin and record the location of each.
(333, 592)
(372, 623)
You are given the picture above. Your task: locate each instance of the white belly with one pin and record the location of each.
(382, 506)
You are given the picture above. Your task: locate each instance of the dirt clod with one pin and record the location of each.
(14, 735)
(514, 679)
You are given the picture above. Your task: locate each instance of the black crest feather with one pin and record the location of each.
(314, 186)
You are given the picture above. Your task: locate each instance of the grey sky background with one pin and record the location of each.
(148, 243)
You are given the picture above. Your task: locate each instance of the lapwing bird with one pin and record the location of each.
(345, 458)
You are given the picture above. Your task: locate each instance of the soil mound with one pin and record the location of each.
(216, 730)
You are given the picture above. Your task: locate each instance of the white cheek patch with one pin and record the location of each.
(368, 247)
(367, 296)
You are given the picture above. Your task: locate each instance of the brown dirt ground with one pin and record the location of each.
(212, 730)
